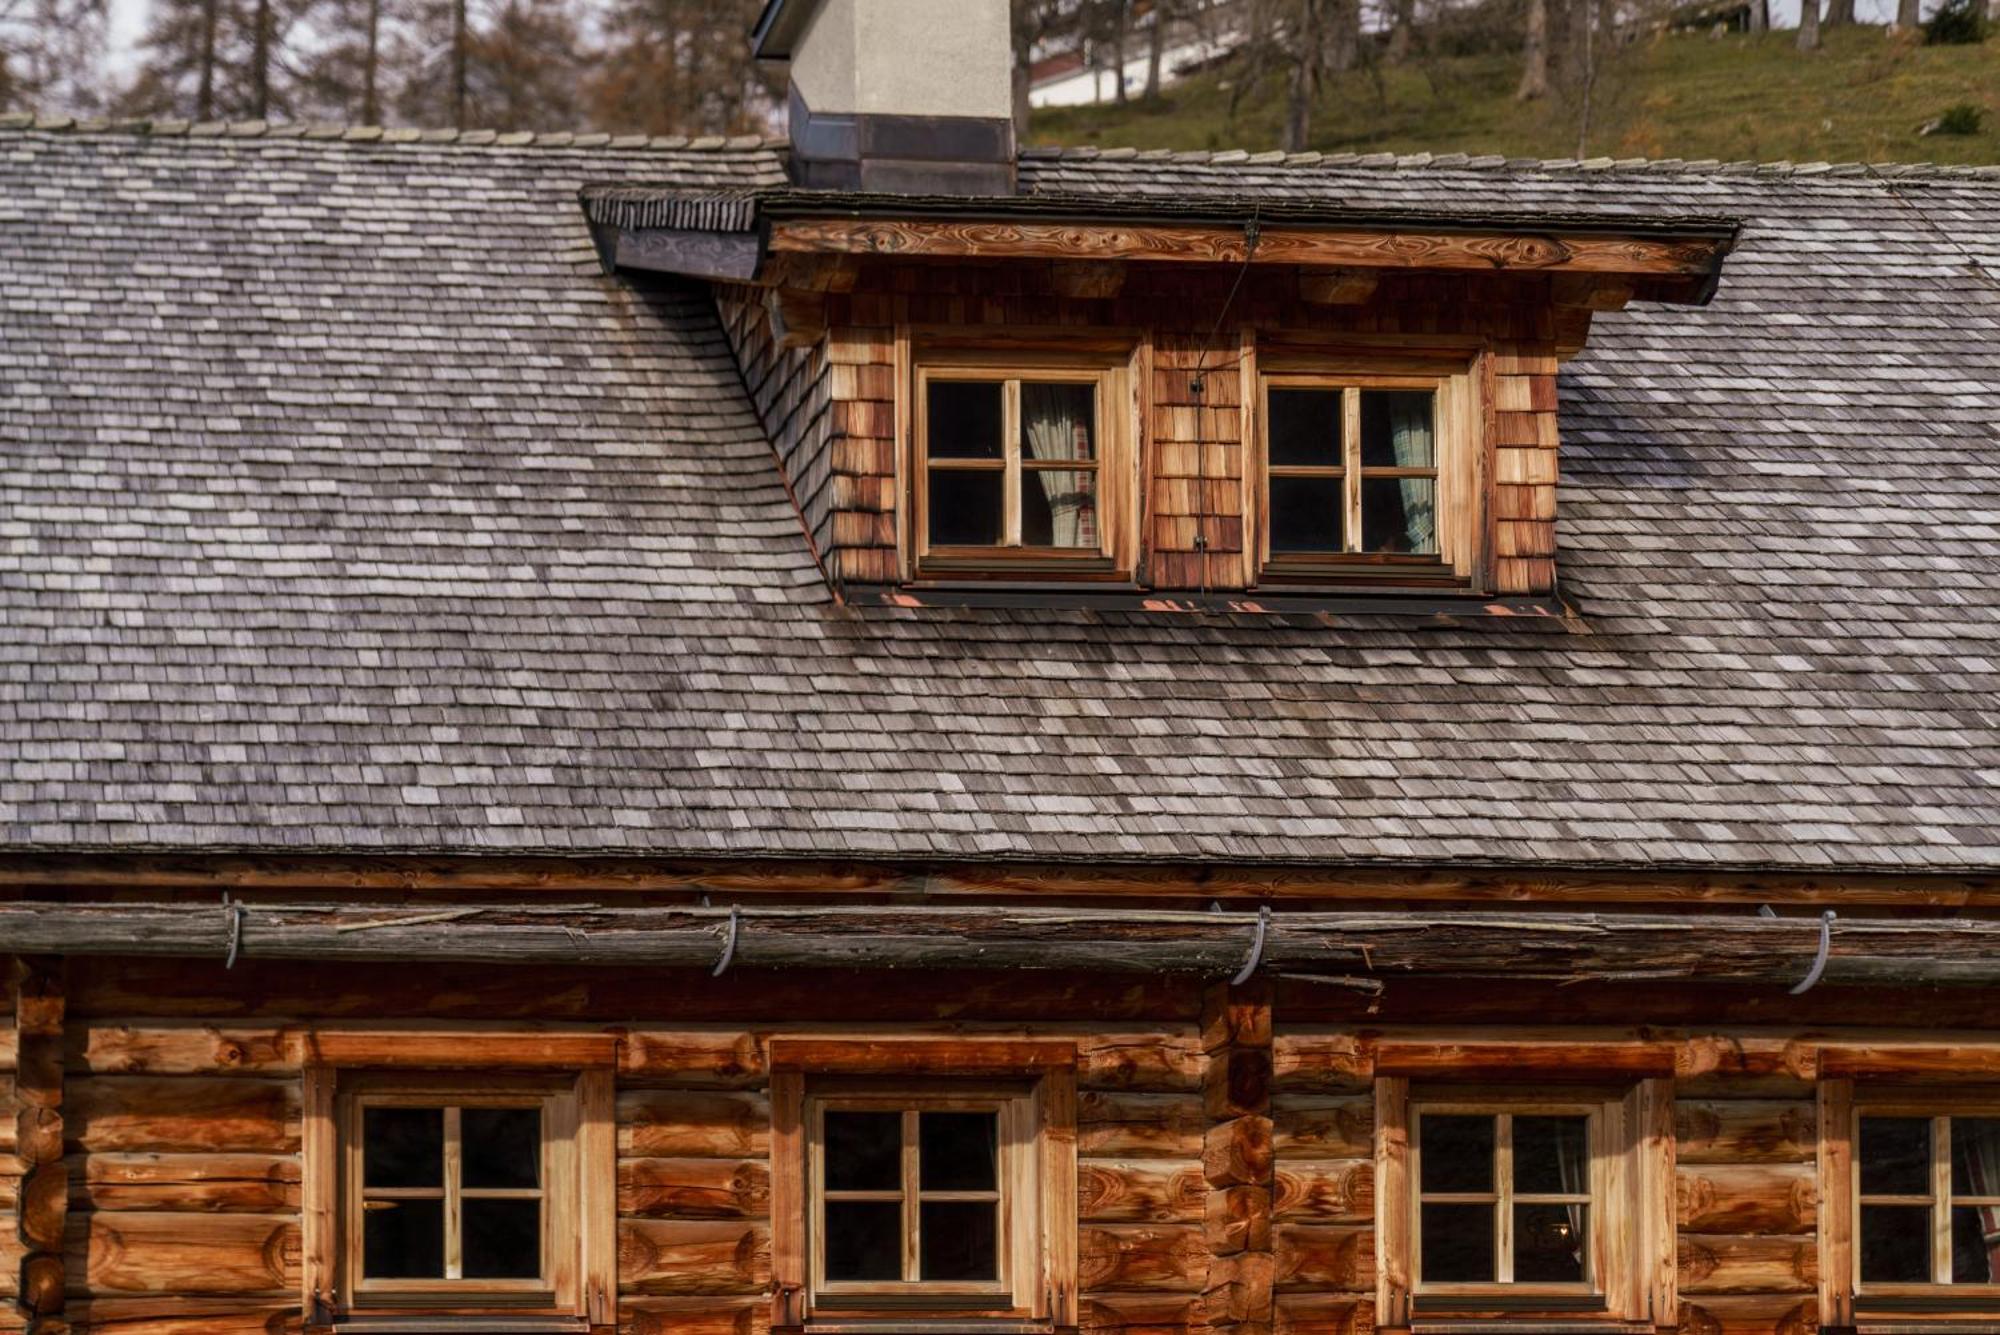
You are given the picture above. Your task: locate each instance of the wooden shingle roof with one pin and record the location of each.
(346, 505)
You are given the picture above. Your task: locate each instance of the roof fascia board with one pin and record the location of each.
(728, 257)
(778, 27)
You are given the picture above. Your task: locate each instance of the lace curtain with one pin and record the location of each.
(1410, 436)
(1977, 1144)
(1056, 424)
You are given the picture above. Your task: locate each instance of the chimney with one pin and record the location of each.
(896, 96)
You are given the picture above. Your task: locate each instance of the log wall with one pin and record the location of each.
(1226, 1157)
(831, 408)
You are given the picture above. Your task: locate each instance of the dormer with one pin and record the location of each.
(1264, 400)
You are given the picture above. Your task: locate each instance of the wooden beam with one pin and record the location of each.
(1088, 279)
(1560, 946)
(811, 273)
(1338, 287)
(798, 317)
(724, 256)
(42, 1209)
(1592, 292)
(1368, 248)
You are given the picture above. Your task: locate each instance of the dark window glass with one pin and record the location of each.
(864, 1151)
(503, 1238)
(965, 419)
(1551, 1155)
(402, 1147)
(1306, 514)
(1975, 1156)
(957, 1151)
(965, 507)
(1895, 1156)
(1457, 1153)
(1058, 507)
(402, 1240)
(1548, 1243)
(1895, 1244)
(1975, 1243)
(1305, 428)
(1457, 1242)
(958, 1240)
(502, 1147)
(1396, 429)
(864, 1239)
(1399, 515)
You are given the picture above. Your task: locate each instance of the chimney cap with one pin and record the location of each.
(778, 28)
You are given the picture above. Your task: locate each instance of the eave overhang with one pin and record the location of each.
(770, 237)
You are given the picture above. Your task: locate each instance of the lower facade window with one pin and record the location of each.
(1507, 1198)
(1928, 1193)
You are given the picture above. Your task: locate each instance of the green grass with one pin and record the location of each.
(1862, 97)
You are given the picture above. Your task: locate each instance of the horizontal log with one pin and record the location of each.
(123, 1113)
(1237, 1152)
(676, 1123)
(1328, 1257)
(1325, 1191)
(694, 1316)
(1745, 1131)
(1315, 1127)
(1324, 1314)
(1135, 1126)
(1237, 1219)
(724, 1060)
(1137, 1314)
(1755, 1314)
(190, 1049)
(1147, 1257)
(1715, 1263)
(196, 1183)
(674, 1256)
(1139, 1061)
(1747, 1198)
(184, 1315)
(1237, 1292)
(1545, 945)
(185, 1253)
(1140, 1191)
(694, 1188)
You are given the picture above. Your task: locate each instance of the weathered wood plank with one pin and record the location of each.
(1745, 1131)
(673, 1256)
(1781, 1198)
(195, 1183)
(185, 1253)
(1139, 1191)
(168, 1114)
(678, 1123)
(694, 1188)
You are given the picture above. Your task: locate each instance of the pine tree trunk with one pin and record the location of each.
(260, 63)
(1155, 48)
(458, 64)
(1809, 26)
(1404, 30)
(1760, 15)
(1121, 16)
(371, 108)
(1839, 13)
(1305, 61)
(1909, 14)
(1535, 53)
(205, 88)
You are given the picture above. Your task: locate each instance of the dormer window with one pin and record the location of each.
(1019, 470)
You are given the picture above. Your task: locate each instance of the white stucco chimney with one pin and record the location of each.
(902, 96)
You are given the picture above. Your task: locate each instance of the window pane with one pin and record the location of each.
(1551, 1154)
(1457, 1153)
(1058, 421)
(965, 419)
(403, 1240)
(958, 1151)
(502, 1147)
(503, 1239)
(1399, 514)
(1895, 1156)
(402, 1147)
(864, 1151)
(1975, 1156)
(1896, 1244)
(1975, 1243)
(958, 1240)
(864, 1240)
(1305, 427)
(1306, 514)
(965, 507)
(1457, 1243)
(1549, 1243)
(1396, 429)
(1058, 508)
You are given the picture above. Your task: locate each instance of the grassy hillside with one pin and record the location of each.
(1863, 97)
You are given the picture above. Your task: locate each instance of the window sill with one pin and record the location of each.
(1267, 601)
(456, 1323)
(952, 1325)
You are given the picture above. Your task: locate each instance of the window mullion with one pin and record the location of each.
(1350, 459)
(1941, 1200)
(1503, 1187)
(454, 1259)
(912, 1215)
(1010, 438)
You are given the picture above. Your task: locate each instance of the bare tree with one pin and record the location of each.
(220, 59)
(1534, 53)
(51, 55)
(1808, 25)
(1909, 14)
(1760, 15)
(1839, 13)
(1402, 30)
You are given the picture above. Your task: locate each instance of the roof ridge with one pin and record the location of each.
(1241, 158)
(173, 128)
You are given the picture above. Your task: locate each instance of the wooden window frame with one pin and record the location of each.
(1030, 1083)
(1462, 473)
(1846, 1298)
(1116, 557)
(1633, 1231)
(570, 1077)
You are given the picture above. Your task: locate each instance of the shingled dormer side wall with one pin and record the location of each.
(830, 407)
